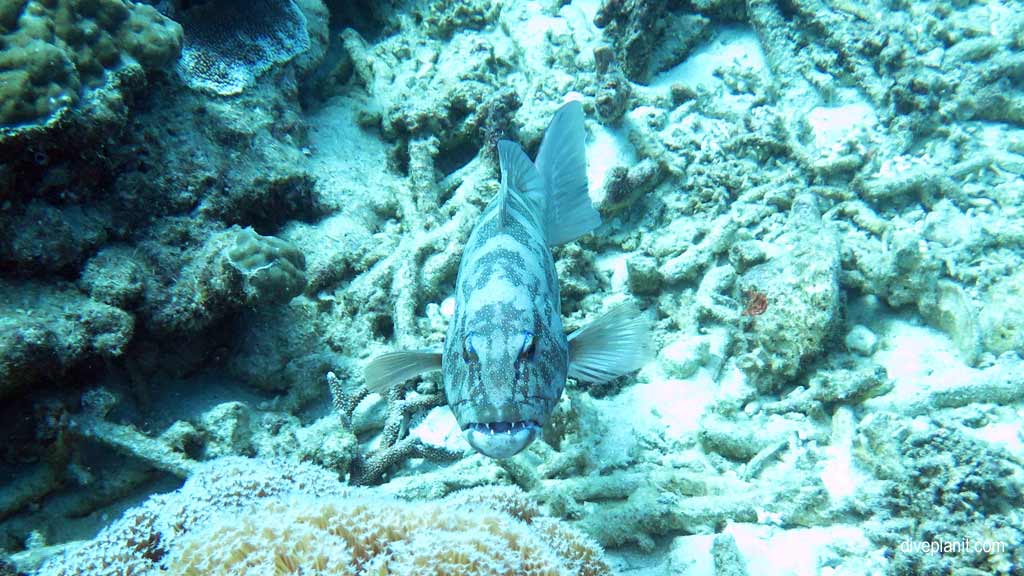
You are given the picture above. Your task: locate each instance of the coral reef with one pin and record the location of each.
(52, 240)
(55, 54)
(222, 271)
(228, 44)
(650, 37)
(46, 331)
(818, 202)
(238, 516)
(395, 445)
(947, 487)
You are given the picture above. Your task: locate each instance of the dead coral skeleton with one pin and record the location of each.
(396, 445)
(426, 253)
(425, 256)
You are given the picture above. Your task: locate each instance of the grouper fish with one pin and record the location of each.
(506, 355)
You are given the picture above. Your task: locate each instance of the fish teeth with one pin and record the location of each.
(506, 428)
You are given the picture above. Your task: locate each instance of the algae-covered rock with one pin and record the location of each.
(226, 430)
(941, 484)
(114, 277)
(861, 339)
(454, 91)
(743, 438)
(1002, 315)
(47, 330)
(443, 19)
(235, 268)
(649, 36)
(792, 300)
(839, 381)
(51, 239)
(279, 350)
(642, 274)
(624, 187)
(196, 275)
(684, 355)
(953, 312)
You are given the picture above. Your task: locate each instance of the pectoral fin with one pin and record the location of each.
(616, 343)
(393, 368)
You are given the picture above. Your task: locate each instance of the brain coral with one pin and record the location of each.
(52, 52)
(246, 517)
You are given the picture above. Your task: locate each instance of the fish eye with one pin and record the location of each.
(469, 354)
(529, 346)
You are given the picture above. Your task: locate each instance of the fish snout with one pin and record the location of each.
(502, 439)
(502, 430)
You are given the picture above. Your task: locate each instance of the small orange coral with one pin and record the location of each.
(757, 302)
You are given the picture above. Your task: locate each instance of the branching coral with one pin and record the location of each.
(425, 248)
(394, 448)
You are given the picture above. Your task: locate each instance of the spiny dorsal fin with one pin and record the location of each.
(616, 343)
(393, 368)
(518, 174)
(562, 163)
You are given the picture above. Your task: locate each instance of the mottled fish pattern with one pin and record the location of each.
(506, 356)
(506, 299)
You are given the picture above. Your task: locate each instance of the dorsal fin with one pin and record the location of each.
(562, 163)
(520, 175)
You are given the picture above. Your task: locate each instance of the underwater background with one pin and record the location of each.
(215, 213)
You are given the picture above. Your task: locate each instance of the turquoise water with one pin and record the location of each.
(217, 214)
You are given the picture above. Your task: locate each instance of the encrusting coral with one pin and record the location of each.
(247, 517)
(51, 51)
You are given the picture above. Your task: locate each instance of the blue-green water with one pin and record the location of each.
(215, 215)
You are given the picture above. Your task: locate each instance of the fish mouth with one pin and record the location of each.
(501, 439)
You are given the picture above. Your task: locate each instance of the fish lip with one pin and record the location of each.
(501, 439)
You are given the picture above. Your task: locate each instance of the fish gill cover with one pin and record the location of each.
(814, 205)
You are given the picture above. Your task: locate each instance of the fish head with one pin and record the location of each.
(504, 372)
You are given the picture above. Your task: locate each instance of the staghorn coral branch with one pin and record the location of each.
(343, 402)
(427, 254)
(395, 444)
(372, 469)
